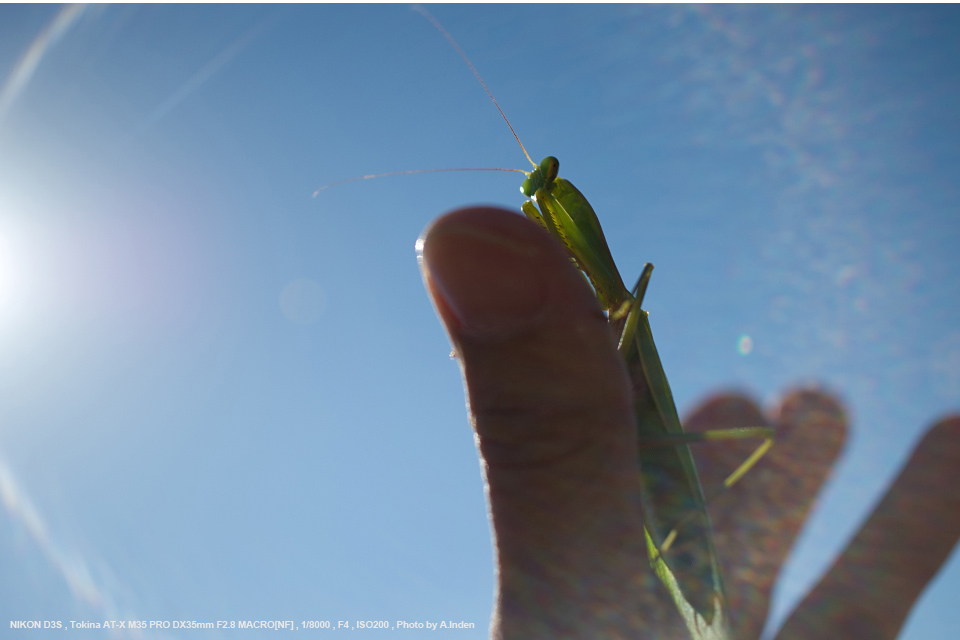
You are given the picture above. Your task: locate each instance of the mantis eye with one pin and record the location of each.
(549, 167)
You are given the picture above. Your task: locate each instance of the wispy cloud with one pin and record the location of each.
(22, 72)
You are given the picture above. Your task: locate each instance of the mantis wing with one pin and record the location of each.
(675, 514)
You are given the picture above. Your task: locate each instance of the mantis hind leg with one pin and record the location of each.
(629, 311)
(732, 478)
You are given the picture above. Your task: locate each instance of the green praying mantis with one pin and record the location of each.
(677, 526)
(678, 535)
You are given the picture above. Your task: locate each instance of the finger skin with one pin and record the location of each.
(870, 589)
(757, 520)
(550, 403)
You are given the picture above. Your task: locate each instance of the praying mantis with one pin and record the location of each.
(677, 528)
(675, 515)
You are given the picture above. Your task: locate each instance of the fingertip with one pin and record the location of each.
(724, 411)
(812, 414)
(491, 272)
(933, 472)
(944, 435)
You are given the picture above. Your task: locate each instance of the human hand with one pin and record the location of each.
(871, 588)
(550, 403)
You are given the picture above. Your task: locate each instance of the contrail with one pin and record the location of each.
(202, 75)
(28, 63)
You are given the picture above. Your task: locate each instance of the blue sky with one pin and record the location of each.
(221, 398)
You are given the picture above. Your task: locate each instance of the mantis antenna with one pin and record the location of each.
(403, 173)
(426, 14)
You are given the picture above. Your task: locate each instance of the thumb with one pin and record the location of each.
(549, 399)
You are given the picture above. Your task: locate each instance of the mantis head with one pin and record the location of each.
(541, 177)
